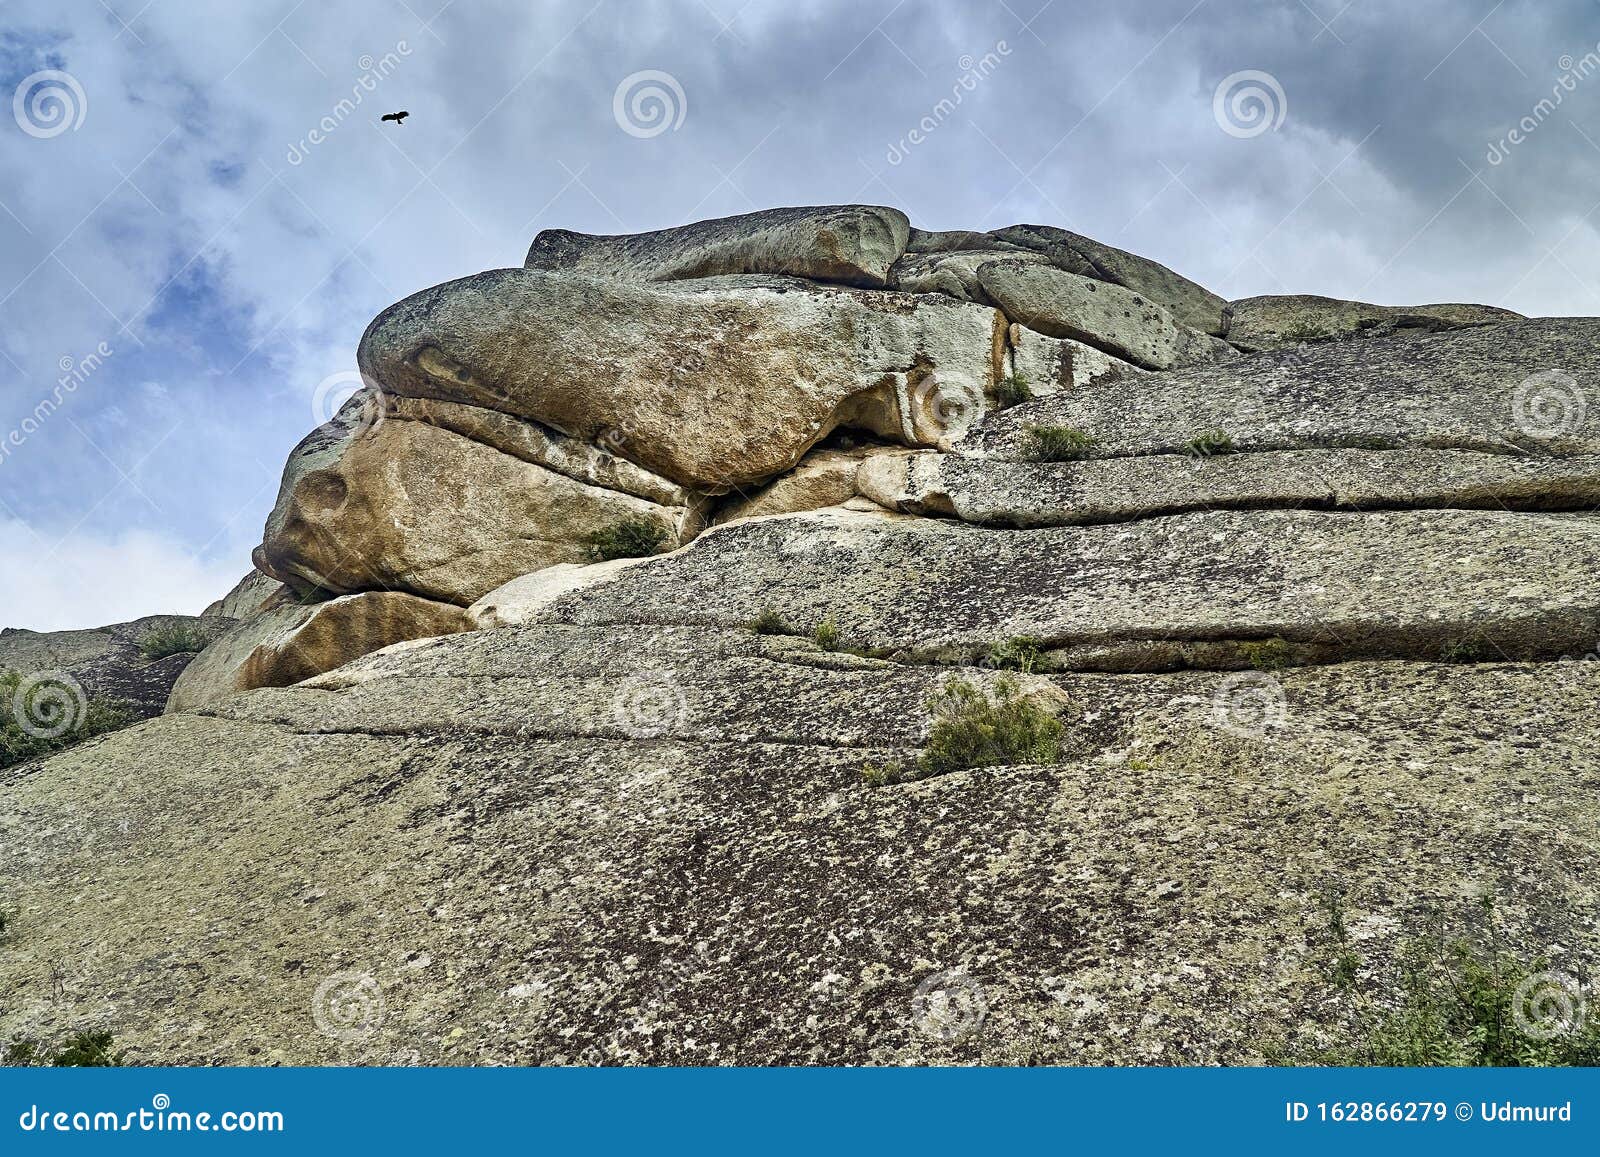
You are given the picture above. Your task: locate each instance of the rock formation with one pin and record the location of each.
(616, 608)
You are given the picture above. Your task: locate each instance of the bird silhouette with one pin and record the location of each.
(397, 117)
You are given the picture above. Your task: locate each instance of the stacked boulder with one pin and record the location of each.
(764, 364)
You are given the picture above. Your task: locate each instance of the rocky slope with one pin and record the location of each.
(1305, 583)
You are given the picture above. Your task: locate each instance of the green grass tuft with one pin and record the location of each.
(1209, 445)
(630, 538)
(91, 1048)
(18, 745)
(826, 635)
(1021, 653)
(769, 622)
(1059, 444)
(172, 639)
(1267, 654)
(1012, 391)
(974, 729)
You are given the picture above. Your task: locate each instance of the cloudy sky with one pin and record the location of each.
(185, 272)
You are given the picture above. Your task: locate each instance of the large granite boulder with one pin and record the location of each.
(411, 506)
(296, 641)
(715, 384)
(248, 596)
(848, 244)
(1273, 322)
(1097, 313)
(1151, 595)
(1190, 304)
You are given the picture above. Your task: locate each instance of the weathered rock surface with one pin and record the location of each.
(997, 492)
(849, 244)
(558, 845)
(410, 506)
(1136, 596)
(822, 478)
(715, 384)
(1190, 304)
(248, 596)
(1505, 389)
(296, 641)
(1273, 322)
(1098, 313)
(110, 662)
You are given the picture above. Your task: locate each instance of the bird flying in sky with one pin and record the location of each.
(397, 117)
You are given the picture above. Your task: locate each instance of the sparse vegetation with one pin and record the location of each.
(1468, 649)
(1267, 654)
(769, 622)
(630, 538)
(94, 717)
(1021, 653)
(883, 774)
(176, 638)
(1305, 330)
(1012, 391)
(1461, 1002)
(1059, 444)
(1211, 444)
(974, 729)
(91, 1048)
(826, 635)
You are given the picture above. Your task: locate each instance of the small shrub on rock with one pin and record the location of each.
(1211, 444)
(1022, 653)
(18, 744)
(172, 639)
(826, 635)
(1012, 391)
(89, 1049)
(770, 622)
(630, 538)
(1059, 444)
(974, 729)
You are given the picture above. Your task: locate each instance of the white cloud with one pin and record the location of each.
(91, 581)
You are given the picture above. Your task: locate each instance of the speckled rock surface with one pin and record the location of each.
(1263, 323)
(1131, 596)
(1000, 492)
(850, 244)
(1516, 388)
(109, 662)
(646, 845)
